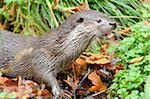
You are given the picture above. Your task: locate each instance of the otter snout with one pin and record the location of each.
(113, 24)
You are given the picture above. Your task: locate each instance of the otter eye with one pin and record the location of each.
(98, 21)
(80, 20)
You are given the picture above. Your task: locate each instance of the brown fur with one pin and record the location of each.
(41, 58)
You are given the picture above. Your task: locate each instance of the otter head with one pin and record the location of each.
(81, 28)
(93, 22)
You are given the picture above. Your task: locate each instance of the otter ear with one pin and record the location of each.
(80, 20)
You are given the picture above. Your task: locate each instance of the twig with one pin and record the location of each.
(98, 93)
(80, 83)
(74, 73)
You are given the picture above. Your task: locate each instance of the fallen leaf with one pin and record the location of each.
(96, 80)
(93, 88)
(1, 26)
(4, 7)
(126, 30)
(12, 10)
(3, 79)
(135, 60)
(81, 91)
(70, 82)
(56, 1)
(80, 61)
(24, 90)
(145, 1)
(103, 61)
(94, 60)
(82, 6)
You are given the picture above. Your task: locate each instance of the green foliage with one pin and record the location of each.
(7, 95)
(21, 2)
(128, 12)
(147, 88)
(34, 17)
(128, 84)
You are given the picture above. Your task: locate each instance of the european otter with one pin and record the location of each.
(41, 58)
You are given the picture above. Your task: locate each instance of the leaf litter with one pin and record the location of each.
(90, 75)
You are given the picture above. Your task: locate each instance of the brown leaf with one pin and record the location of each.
(79, 66)
(135, 60)
(145, 1)
(3, 79)
(103, 61)
(96, 80)
(81, 91)
(56, 1)
(70, 82)
(82, 6)
(147, 22)
(80, 61)
(12, 10)
(4, 7)
(1, 26)
(97, 60)
(126, 30)
(93, 88)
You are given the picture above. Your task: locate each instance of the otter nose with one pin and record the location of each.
(113, 24)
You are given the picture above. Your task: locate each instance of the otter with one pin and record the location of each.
(41, 58)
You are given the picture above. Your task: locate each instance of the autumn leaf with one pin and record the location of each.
(96, 81)
(3, 79)
(56, 1)
(82, 6)
(125, 31)
(23, 90)
(135, 60)
(80, 61)
(98, 59)
(93, 88)
(1, 26)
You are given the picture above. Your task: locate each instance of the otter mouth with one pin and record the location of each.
(107, 33)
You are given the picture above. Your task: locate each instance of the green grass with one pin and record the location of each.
(35, 17)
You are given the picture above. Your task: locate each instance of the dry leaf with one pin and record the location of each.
(56, 1)
(94, 60)
(135, 60)
(25, 90)
(4, 7)
(3, 79)
(126, 30)
(81, 92)
(93, 88)
(80, 61)
(96, 80)
(82, 6)
(70, 82)
(103, 61)
(1, 26)
(145, 1)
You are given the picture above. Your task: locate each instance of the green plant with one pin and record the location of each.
(129, 83)
(35, 17)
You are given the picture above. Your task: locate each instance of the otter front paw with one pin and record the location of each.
(57, 92)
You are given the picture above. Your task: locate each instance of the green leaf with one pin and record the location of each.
(3, 95)
(12, 95)
(147, 88)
